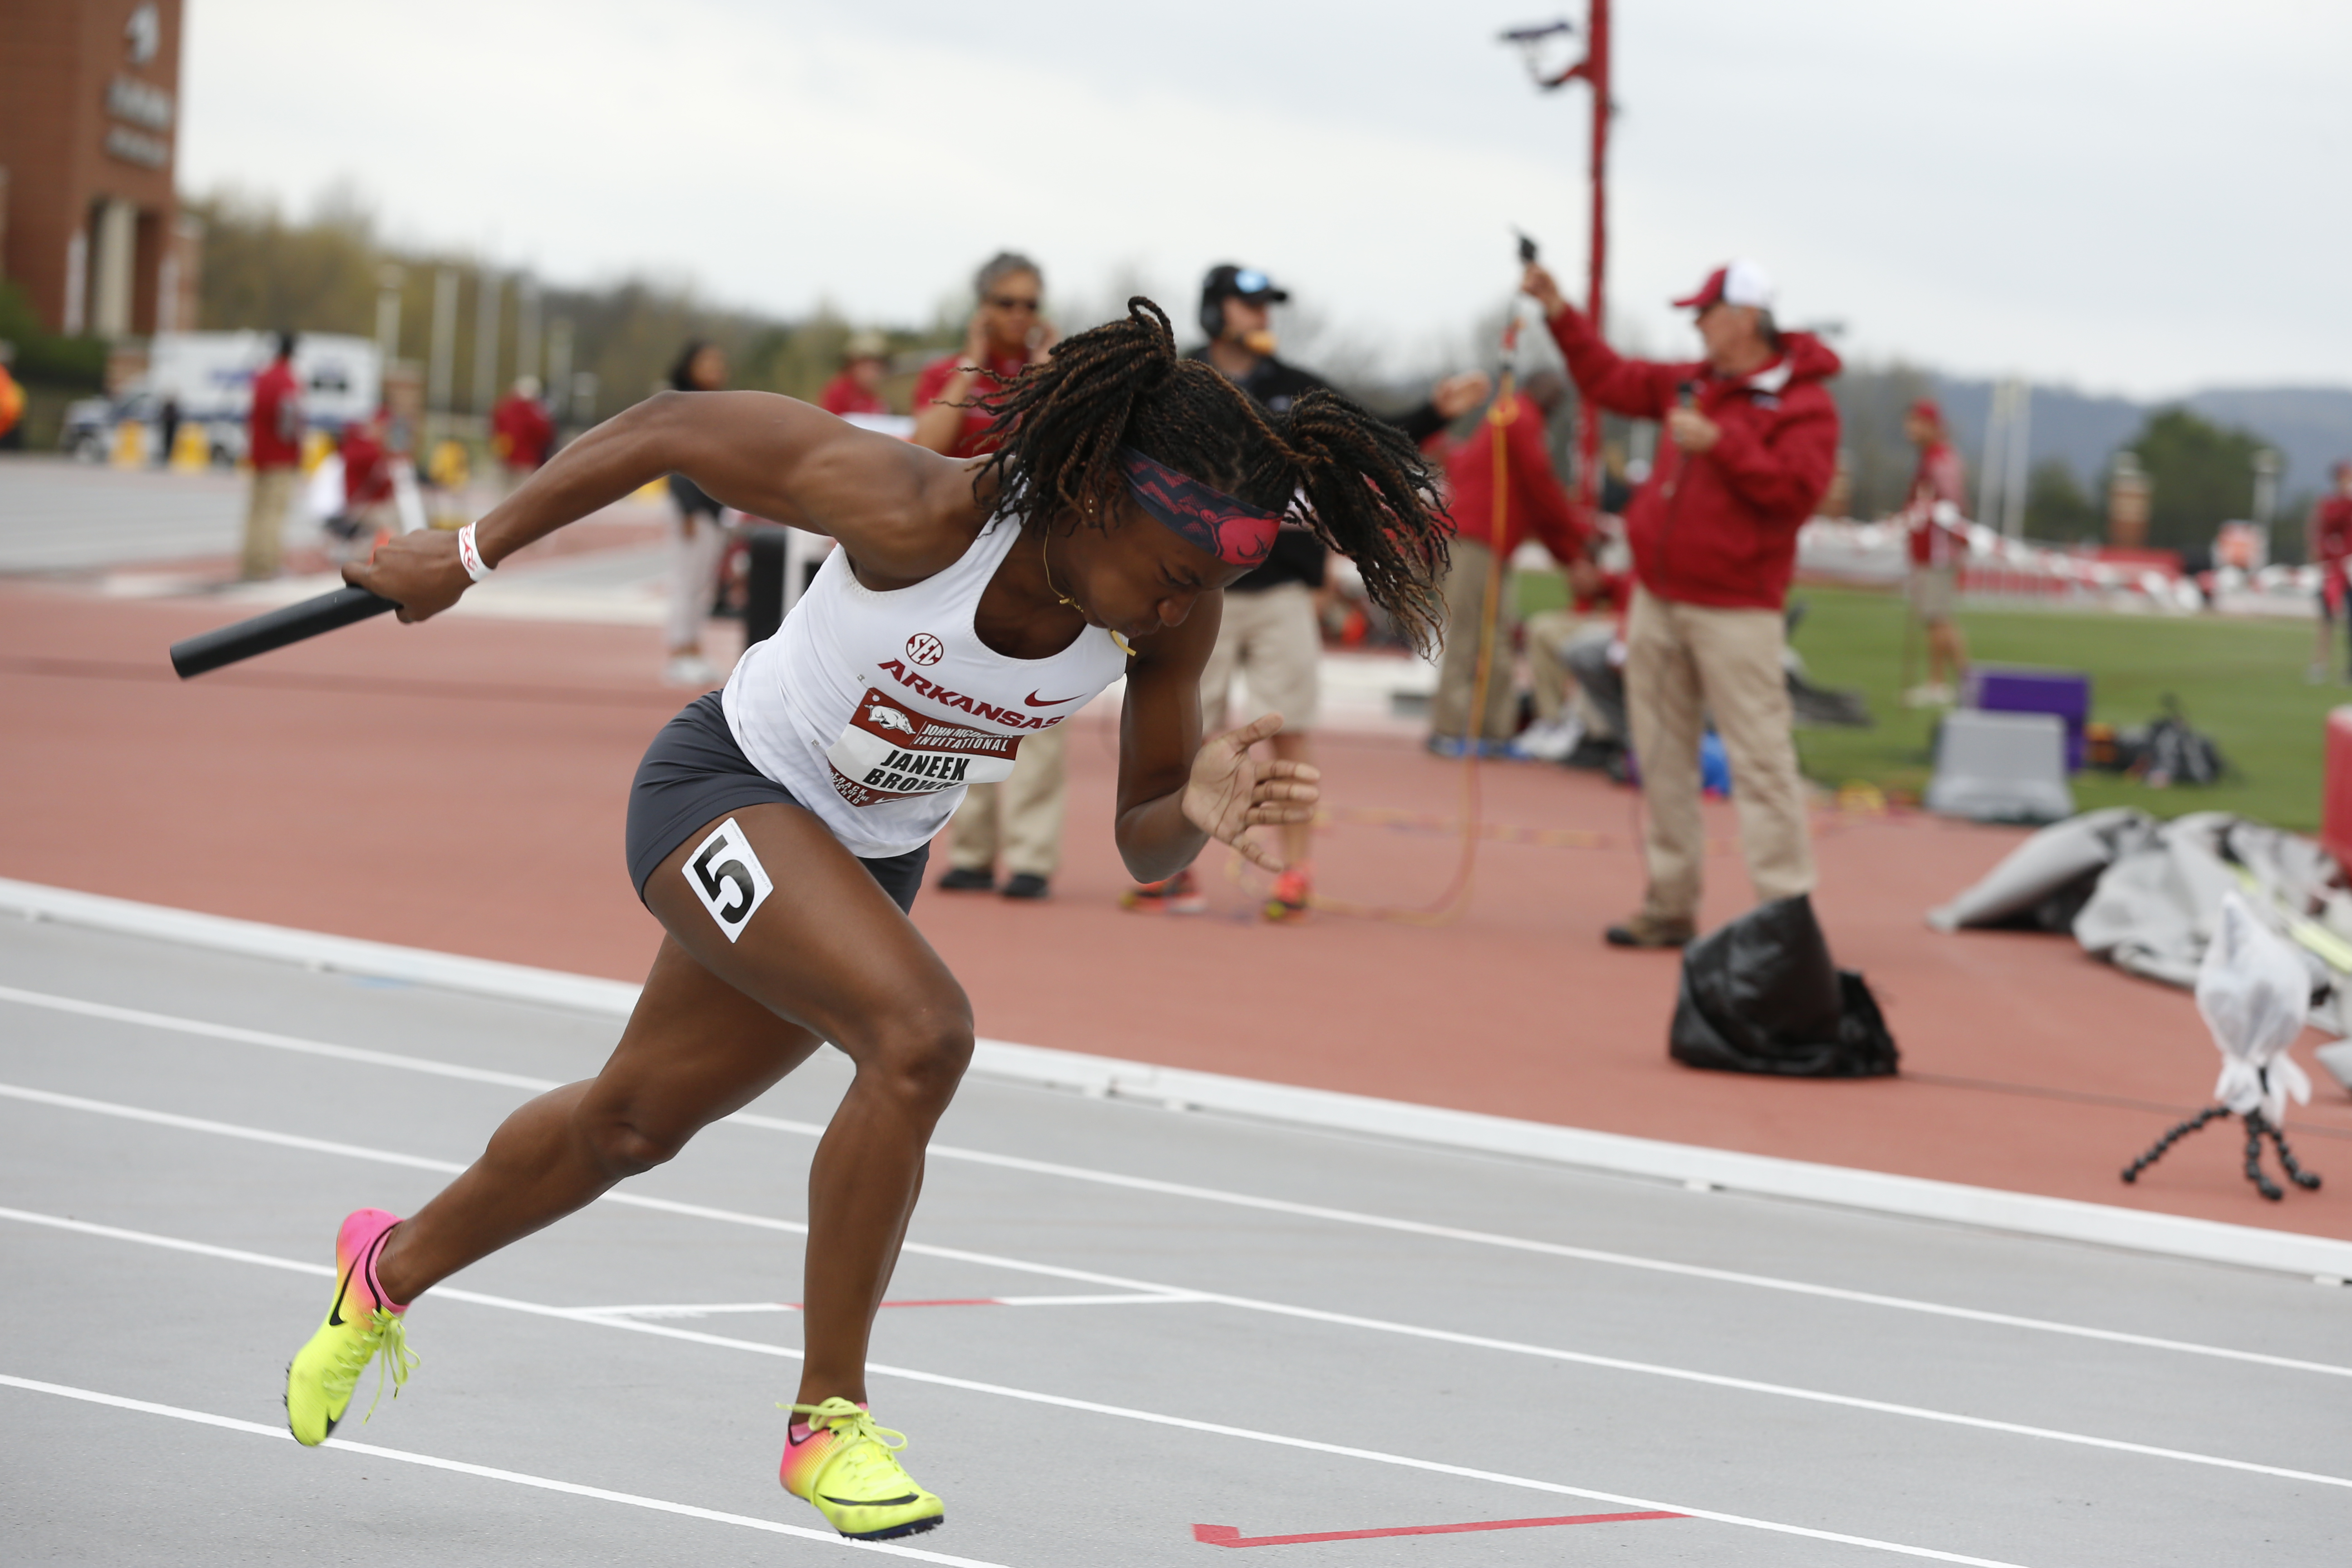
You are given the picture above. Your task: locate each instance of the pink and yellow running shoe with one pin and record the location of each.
(360, 1325)
(838, 1460)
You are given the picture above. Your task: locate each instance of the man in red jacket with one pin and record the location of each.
(521, 432)
(1533, 502)
(2331, 550)
(274, 445)
(1749, 444)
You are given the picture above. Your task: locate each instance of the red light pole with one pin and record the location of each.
(1593, 71)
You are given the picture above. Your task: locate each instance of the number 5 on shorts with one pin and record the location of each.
(728, 877)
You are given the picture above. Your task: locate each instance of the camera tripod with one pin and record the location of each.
(2258, 1127)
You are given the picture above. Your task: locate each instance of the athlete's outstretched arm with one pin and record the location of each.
(1175, 794)
(902, 513)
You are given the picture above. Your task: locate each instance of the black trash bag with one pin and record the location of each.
(1760, 994)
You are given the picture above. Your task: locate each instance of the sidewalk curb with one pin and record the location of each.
(2028, 1213)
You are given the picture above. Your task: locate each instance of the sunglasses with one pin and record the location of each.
(1013, 302)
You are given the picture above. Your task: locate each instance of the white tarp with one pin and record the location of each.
(2146, 896)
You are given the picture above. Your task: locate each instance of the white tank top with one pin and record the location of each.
(877, 709)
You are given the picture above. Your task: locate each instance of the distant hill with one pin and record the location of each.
(2310, 425)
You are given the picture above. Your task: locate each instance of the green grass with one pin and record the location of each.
(2241, 681)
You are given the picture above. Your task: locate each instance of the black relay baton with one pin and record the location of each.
(291, 623)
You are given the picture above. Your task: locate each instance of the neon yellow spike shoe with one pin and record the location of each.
(839, 1460)
(360, 1325)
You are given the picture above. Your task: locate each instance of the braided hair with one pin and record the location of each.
(1358, 483)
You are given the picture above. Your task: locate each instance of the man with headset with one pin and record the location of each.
(1270, 632)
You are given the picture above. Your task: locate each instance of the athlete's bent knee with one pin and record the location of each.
(622, 1148)
(921, 1058)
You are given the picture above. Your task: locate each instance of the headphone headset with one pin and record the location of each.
(1212, 314)
(1241, 282)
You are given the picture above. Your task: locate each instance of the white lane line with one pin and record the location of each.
(488, 1473)
(1032, 1396)
(667, 1310)
(1220, 1195)
(203, 1030)
(1308, 1314)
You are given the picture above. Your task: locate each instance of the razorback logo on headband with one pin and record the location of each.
(1210, 519)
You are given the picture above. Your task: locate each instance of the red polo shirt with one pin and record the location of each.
(1939, 478)
(841, 394)
(972, 441)
(276, 423)
(521, 431)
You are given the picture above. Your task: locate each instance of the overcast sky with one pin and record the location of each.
(2135, 195)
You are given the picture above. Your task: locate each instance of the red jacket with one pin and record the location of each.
(1719, 528)
(2331, 530)
(1534, 497)
(367, 476)
(1939, 478)
(275, 427)
(521, 431)
(841, 394)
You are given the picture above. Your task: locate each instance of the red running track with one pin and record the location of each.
(460, 786)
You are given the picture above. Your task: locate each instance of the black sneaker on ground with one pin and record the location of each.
(1024, 885)
(961, 879)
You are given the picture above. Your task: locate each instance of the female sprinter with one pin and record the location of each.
(778, 829)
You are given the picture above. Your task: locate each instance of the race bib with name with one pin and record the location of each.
(890, 754)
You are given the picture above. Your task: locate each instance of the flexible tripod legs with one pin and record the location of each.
(2258, 1127)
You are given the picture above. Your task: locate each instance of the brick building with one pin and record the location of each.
(90, 229)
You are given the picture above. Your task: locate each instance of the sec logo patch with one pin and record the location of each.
(925, 648)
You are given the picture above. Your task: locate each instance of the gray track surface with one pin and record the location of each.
(593, 1401)
(56, 515)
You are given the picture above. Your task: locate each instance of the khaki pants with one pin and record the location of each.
(1682, 660)
(265, 520)
(1271, 637)
(1457, 669)
(1021, 817)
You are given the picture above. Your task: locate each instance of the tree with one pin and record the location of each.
(2057, 507)
(2199, 474)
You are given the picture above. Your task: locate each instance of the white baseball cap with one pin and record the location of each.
(1737, 282)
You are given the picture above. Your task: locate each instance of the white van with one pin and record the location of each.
(211, 376)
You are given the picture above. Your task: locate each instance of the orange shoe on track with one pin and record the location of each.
(1178, 895)
(1291, 896)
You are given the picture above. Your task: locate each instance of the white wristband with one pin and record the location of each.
(470, 554)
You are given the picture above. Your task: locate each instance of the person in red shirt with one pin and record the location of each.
(2331, 550)
(521, 434)
(367, 489)
(1938, 538)
(858, 388)
(1534, 502)
(274, 444)
(1020, 819)
(1008, 332)
(1749, 445)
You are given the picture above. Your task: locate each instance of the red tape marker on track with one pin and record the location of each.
(1227, 1536)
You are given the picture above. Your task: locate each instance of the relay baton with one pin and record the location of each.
(291, 624)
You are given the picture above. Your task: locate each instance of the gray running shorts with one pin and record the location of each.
(694, 774)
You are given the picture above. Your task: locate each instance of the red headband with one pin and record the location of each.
(1210, 519)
